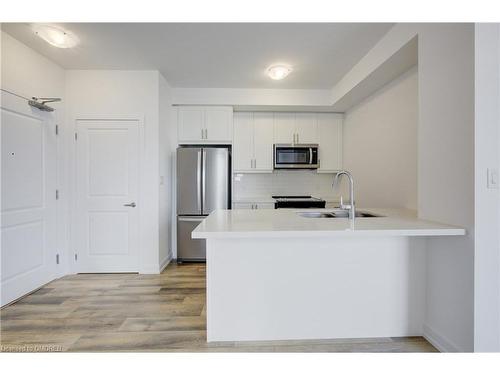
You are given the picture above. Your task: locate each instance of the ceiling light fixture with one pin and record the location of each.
(55, 36)
(278, 72)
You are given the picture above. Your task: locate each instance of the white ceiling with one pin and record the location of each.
(216, 55)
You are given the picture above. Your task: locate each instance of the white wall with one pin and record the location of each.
(446, 177)
(167, 144)
(487, 225)
(126, 93)
(380, 145)
(251, 97)
(445, 166)
(27, 73)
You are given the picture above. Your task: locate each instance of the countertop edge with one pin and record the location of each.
(335, 233)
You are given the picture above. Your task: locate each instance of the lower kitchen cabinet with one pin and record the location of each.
(253, 205)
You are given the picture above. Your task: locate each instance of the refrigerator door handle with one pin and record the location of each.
(203, 179)
(198, 181)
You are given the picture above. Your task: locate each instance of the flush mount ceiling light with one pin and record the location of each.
(278, 72)
(55, 36)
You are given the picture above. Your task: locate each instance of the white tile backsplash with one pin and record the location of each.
(283, 183)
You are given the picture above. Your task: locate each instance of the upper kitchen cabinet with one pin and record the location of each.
(205, 124)
(253, 142)
(306, 128)
(284, 128)
(295, 128)
(329, 129)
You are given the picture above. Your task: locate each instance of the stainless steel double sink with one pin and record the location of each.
(334, 214)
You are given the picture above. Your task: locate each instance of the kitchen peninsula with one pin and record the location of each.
(296, 277)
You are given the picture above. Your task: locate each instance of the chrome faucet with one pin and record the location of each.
(350, 206)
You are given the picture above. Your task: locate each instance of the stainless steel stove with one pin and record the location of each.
(298, 201)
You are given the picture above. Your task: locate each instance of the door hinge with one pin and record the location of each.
(76, 136)
(76, 257)
(57, 194)
(57, 258)
(57, 129)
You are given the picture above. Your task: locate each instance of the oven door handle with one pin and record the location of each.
(310, 155)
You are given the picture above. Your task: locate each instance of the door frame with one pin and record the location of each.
(72, 178)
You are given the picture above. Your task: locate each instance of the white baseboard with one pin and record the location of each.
(165, 262)
(439, 341)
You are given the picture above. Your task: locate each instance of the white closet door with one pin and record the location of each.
(263, 141)
(107, 191)
(29, 177)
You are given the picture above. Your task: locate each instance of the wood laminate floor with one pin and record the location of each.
(130, 312)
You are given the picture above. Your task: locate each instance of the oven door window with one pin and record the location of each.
(292, 155)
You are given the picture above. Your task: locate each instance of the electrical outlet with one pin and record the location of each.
(492, 178)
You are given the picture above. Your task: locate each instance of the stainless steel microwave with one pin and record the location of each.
(296, 156)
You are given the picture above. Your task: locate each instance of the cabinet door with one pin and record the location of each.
(284, 127)
(243, 142)
(305, 128)
(263, 141)
(219, 124)
(265, 206)
(330, 142)
(190, 123)
(242, 206)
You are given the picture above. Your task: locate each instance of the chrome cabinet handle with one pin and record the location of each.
(130, 204)
(202, 137)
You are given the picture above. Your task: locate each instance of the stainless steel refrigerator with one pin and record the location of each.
(203, 185)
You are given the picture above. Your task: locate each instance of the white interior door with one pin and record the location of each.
(107, 191)
(28, 211)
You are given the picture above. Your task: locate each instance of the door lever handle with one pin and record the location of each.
(130, 204)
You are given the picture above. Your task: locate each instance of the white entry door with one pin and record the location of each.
(28, 206)
(107, 185)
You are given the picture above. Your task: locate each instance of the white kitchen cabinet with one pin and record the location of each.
(219, 124)
(264, 206)
(197, 124)
(263, 126)
(284, 128)
(243, 206)
(306, 128)
(253, 142)
(329, 129)
(295, 128)
(243, 150)
(253, 206)
(190, 124)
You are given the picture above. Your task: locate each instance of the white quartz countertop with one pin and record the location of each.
(287, 224)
